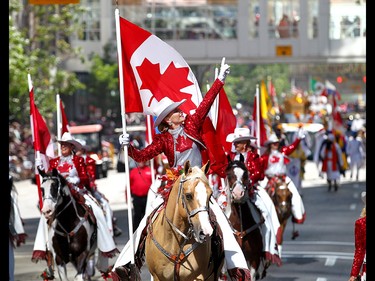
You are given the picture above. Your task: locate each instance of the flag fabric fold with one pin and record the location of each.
(226, 120)
(64, 119)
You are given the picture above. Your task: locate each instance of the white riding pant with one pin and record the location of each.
(271, 223)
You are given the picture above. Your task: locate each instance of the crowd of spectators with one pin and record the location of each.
(21, 152)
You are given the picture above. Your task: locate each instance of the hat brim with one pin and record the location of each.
(233, 138)
(266, 143)
(76, 144)
(166, 111)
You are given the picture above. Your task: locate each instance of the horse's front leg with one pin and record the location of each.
(63, 272)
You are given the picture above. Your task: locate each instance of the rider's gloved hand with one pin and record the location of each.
(39, 163)
(301, 133)
(224, 70)
(73, 180)
(124, 139)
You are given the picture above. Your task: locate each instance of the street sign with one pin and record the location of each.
(282, 51)
(48, 2)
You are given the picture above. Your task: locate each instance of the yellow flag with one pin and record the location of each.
(265, 101)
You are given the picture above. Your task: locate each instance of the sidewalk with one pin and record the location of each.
(113, 187)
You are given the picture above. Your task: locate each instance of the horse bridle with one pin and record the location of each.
(244, 186)
(178, 258)
(66, 233)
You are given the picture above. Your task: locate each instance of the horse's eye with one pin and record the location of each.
(189, 196)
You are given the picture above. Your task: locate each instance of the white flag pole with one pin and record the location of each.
(123, 118)
(59, 123)
(149, 137)
(258, 117)
(37, 152)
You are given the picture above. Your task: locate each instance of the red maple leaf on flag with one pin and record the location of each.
(168, 84)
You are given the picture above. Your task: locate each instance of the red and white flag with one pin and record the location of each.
(226, 120)
(42, 141)
(155, 73)
(64, 119)
(257, 118)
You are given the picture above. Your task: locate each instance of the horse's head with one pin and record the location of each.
(194, 194)
(282, 199)
(53, 187)
(237, 179)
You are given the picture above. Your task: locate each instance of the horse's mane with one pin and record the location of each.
(236, 163)
(170, 177)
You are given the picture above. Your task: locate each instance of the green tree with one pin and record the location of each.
(39, 45)
(240, 85)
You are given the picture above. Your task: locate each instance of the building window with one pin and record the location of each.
(90, 21)
(283, 18)
(347, 19)
(312, 20)
(180, 20)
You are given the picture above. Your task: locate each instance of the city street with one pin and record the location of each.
(322, 252)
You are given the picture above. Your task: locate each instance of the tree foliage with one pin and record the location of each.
(39, 45)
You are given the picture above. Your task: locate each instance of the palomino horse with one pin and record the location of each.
(179, 243)
(281, 196)
(72, 234)
(242, 217)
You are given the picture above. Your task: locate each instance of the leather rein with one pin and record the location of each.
(182, 254)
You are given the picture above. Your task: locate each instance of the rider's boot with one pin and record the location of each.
(48, 272)
(329, 185)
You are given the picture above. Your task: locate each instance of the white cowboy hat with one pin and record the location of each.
(163, 109)
(240, 134)
(271, 139)
(67, 137)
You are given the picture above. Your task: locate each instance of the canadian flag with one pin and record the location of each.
(154, 73)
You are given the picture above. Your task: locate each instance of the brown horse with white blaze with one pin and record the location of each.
(244, 217)
(282, 199)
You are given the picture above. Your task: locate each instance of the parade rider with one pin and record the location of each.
(91, 186)
(242, 144)
(181, 140)
(73, 168)
(274, 159)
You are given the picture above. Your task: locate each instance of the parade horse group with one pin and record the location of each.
(72, 233)
(182, 239)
